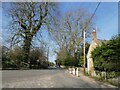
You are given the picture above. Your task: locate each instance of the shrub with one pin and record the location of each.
(14, 59)
(107, 56)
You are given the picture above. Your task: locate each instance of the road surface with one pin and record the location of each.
(46, 79)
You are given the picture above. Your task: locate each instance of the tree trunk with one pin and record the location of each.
(26, 49)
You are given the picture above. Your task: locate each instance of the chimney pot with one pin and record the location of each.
(94, 35)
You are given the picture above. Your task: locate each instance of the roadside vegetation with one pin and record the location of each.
(106, 60)
(107, 57)
(64, 58)
(14, 59)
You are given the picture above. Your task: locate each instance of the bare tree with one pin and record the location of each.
(27, 19)
(68, 30)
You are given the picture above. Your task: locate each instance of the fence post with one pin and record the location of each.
(70, 70)
(73, 71)
(77, 72)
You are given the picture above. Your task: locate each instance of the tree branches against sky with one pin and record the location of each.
(106, 18)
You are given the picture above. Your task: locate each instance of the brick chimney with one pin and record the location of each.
(94, 38)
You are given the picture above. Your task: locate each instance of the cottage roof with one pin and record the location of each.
(100, 42)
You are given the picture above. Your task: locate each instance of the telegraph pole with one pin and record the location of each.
(84, 51)
(85, 32)
(48, 54)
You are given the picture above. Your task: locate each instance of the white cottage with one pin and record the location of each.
(94, 44)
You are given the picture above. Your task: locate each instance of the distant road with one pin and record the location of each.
(54, 78)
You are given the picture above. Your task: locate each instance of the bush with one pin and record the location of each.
(81, 61)
(68, 58)
(107, 56)
(68, 61)
(13, 59)
(38, 59)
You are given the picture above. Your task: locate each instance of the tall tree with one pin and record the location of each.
(68, 32)
(27, 19)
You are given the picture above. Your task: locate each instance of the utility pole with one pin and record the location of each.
(85, 32)
(84, 52)
(48, 54)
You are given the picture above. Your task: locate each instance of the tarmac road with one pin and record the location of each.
(54, 78)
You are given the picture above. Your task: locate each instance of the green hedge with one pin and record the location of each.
(107, 56)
